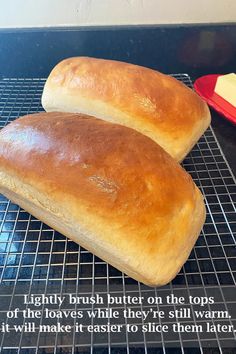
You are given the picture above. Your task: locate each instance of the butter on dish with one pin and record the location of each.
(226, 88)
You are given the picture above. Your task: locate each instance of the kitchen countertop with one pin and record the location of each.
(193, 49)
(31, 267)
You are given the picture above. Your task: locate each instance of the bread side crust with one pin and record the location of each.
(79, 104)
(107, 187)
(174, 119)
(153, 272)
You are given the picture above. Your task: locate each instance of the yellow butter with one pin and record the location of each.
(226, 88)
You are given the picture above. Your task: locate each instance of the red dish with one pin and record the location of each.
(205, 86)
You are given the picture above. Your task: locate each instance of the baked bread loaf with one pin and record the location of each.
(107, 187)
(152, 103)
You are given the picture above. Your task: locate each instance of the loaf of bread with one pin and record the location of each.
(152, 103)
(105, 186)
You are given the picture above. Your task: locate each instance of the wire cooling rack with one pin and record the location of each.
(35, 259)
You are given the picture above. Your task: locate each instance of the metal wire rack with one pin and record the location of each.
(35, 259)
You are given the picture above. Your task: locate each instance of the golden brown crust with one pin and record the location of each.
(155, 104)
(141, 207)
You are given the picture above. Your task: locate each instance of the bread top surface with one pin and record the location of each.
(138, 198)
(96, 161)
(159, 102)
